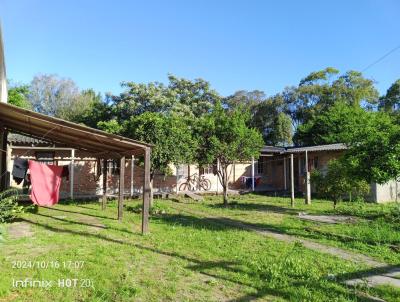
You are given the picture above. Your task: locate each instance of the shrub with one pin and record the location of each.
(338, 182)
(9, 207)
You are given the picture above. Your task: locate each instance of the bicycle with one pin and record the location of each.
(194, 182)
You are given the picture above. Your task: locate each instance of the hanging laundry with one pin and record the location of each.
(19, 169)
(65, 172)
(46, 181)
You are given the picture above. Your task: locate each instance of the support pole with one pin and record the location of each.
(307, 181)
(104, 201)
(284, 174)
(146, 192)
(121, 187)
(71, 174)
(292, 180)
(252, 174)
(132, 171)
(3, 159)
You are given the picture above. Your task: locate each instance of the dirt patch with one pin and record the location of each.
(20, 230)
(93, 223)
(332, 219)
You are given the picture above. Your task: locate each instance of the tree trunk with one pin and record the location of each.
(225, 196)
(225, 184)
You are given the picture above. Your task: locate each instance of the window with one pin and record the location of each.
(207, 169)
(45, 157)
(315, 163)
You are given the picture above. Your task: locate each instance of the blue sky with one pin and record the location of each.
(235, 45)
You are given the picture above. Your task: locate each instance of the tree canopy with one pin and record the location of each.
(223, 139)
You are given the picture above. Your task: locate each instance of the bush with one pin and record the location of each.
(338, 182)
(9, 207)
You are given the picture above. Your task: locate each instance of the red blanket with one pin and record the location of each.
(45, 180)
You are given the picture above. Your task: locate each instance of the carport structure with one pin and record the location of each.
(100, 144)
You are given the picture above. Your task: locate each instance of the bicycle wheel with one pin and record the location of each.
(205, 184)
(184, 187)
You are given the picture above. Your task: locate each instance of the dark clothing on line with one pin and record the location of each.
(19, 169)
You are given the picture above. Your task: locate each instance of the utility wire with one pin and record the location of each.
(381, 58)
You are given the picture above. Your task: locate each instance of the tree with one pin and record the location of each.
(335, 125)
(18, 96)
(225, 138)
(374, 149)
(390, 102)
(271, 119)
(338, 181)
(171, 135)
(89, 109)
(320, 90)
(52, 95)
(245, 99)
(181, 96)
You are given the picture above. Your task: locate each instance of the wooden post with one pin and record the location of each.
(307, 181)
(132, 171)
(292, 180)
(284, 174)
(3, 158)
(146, 192)
(252, 174)
(71, 174)
(104, 201)
(121, 187)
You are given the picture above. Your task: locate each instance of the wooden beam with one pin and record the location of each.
(121, 187)
(104, 201)
(3, 160)
(71, 174)
(146, 192)
(292, 180)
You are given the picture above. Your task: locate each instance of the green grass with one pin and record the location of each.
(376, 231)
(186, 257)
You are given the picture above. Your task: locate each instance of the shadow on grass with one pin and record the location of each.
(226, 270)
(75, 212)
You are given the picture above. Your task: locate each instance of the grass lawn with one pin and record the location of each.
(376, 231)
(186, 257)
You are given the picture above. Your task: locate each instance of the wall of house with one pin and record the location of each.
(386, 192)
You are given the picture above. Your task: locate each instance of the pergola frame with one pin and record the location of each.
(66, 134)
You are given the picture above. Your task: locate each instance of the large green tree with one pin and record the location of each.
(390, 102)
(335, 125)
(271, 118)
(18, 96)
(224, 138)
(320, 90)
(171, 135)
(181, 96)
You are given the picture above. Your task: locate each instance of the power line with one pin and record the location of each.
(381, 58)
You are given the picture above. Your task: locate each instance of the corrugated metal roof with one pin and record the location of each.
(330, 147)
(272, 149)
(16, 138)
(288, 150)
(101, 144)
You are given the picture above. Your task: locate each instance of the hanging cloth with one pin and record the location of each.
(19, 169)
(46, 181)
